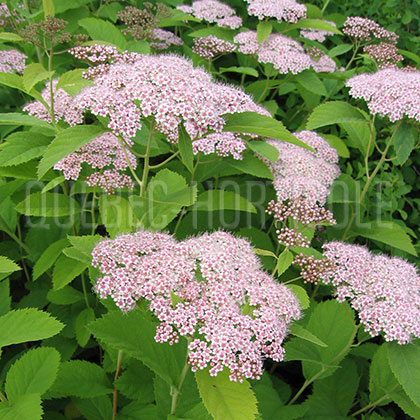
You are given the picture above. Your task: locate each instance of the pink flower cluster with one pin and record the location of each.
(288, 10)
(162, 39)
(103, 152)
(364, 29)
(390, 92)
(213, 11)
(5, 14)
(317, 34)
(211, 46)
(223, 144)
(384, 291)
(210, 288)
(321, 63)
(169, 89)
(12, 61)
(299, 172)
(286, 54)
(384, 54)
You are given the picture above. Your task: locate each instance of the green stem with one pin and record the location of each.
(374, 403)
(165, 161)
(175, 391)
(52, 114)
(15, 238)
(85, 290)
(120, 139)
(371, 177)
(325, 6)
(115, 394)
(265, 89)
(147, 160)
(355, 50)
(325, 368)
(92, 211)
(25, 269)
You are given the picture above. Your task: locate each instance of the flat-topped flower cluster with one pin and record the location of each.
(210, 288)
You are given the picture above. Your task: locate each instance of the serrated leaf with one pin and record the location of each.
(66, 296)
(404, 141)
(165, 196)
(404, 362)
(66, 270)
(185, 148)
(264, 149)
(8, 266)
(83, 319)
(134, 334)
(80, 378)
(84, 244)
(252, 165)
(284, 261)
(53, 183)
(212, 200)
(116, 214)
(264, 29)
(301, 295)
(22, 147)
(28, 325)
(48, 205)
(311, 82)
(224, 399)
(261, 125)
(67, 141)
(26, 407)
(14, 118)
(102, 30)
(73, 82)
(334, 112)
(97, 408)
(33, 74)
(10, 36)
(388, 233)
(33, 373)
(299, 331)
(48, 258)
(241, 70)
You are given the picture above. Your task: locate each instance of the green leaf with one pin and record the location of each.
(33, 373)
(5, 299)
(14, 118)
(264, 29)
(389, 233)
(66, 296)
(313, 24)
(222, 33)
(134, 333)
(117, 214)
(102, 30)
(241, 70)
(29, 324)
(339, 50)
(33, 74)
(73, 82)
(333, 323)
(333, 397)
(212, 200)
(48, 258)
(21, 147)
(404, 361)
(264, 149)
(404, 141)
(165, 196)
(284, 262)
(338, 145)
(67, 141)
(334, 112)
(301, 294)
(26, 407)
(311, 82)
(12, 80)
(185, 148)
(269, 401)
(261, 125)
(53, 183)
(97, 408)
(83, 319)
(265, 253)
(48, 7)
(225, 399)
(48, 205)
(80, 379)
(66, 270)
(250, 164)
(299, 331)
(10, 36)
(8, 266)
(410, 55)
(85, 244)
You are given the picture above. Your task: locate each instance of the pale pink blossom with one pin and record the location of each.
(211, 46)
(12, 61)
(317, 34)
(210, 288)
(162, 39)
(384, 54)
(363, 29)
(288, 10)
